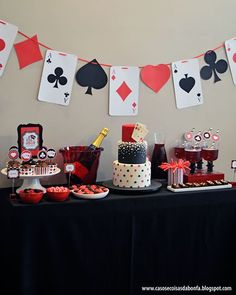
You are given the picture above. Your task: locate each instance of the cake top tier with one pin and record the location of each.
(127, 130)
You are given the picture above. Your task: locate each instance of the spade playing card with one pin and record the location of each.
(124, 91)
(187, 83)
(230, 47)
(7, 37)
(57, 77)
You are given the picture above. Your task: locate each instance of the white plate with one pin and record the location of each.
(91, 196)
(201, 188)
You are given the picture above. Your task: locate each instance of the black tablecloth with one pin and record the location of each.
(118, 244)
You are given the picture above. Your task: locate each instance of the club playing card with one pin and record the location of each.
(124, 91)
(230, 47)
(140, 131)
(7, 37)
(57, 77)
(187, 83)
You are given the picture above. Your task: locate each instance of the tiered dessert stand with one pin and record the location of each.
(32, 181)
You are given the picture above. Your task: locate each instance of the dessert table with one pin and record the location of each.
(118, 244)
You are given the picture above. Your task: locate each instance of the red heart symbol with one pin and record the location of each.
(155, 77)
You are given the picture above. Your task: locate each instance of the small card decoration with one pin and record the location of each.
(42, 155)
(57, 77)
(30, 138)
(175, 170)
(139, 132)
(13, 153)
(13, 173)
(91, 75)
(214, 66)
(69, 168)
(124, 91)
(7, 37)
(51, 153)
(187, 83)
(26, 155)
(155, 77)
(28, 52)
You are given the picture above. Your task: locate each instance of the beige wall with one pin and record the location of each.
(118, 33)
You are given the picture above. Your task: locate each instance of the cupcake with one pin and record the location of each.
(27, 169)
(41, 168)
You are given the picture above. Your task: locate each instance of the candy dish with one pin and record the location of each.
(31, 196)
(90, 191)
(58, 193)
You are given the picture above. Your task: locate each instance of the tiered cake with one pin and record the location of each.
(132, 169)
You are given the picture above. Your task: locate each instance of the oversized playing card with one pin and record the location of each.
(187, 83)
(57, 77)
(7, 37)
(230, 47)
(124, 91)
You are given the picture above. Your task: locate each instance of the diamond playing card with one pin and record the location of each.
(124, 91)
(187, 83)
(57, 77)
(7, 37)
(230, 47)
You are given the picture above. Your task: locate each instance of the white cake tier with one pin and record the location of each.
(132, 175)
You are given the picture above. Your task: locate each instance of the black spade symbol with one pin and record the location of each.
(187, 83)
(213, 67)
(91, 75)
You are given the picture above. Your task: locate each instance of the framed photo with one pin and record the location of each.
(30, 138)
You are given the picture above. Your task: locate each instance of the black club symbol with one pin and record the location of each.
(214, 67)
(57, 78)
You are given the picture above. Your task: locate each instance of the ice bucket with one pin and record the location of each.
(86, 163)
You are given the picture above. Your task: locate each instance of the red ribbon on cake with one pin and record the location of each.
(180, 164)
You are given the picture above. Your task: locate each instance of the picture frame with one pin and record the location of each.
(30, 138)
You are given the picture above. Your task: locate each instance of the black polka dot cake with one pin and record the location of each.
(132, 169)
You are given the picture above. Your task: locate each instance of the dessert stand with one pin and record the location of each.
(32, 181)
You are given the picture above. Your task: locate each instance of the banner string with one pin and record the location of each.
(109, 65)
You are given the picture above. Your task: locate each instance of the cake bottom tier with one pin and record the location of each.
(131, 175)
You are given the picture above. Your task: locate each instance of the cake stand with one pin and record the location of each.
(32, 181)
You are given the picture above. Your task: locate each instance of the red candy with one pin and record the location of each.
(57, 189)
(90, 189)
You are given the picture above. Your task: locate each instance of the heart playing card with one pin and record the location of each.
(124, 91)
(7, 37)
(57, 77)
(187, 83)
(230, 47)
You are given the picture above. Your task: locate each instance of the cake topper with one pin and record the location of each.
(13, 153)
(139, 132)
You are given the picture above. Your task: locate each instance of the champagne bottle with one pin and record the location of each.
(98, 140)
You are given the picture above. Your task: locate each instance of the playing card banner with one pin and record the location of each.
(91, 75)
(214, 66)
(187, 83)
(7, 37)
(57, 77)
(230, 47)
(124, 91)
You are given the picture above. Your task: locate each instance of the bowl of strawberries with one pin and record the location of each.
(31, 196)
(58, 193)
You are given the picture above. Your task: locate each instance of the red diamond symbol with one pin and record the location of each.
(113, 77)
(134, 104)
(123, 91)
